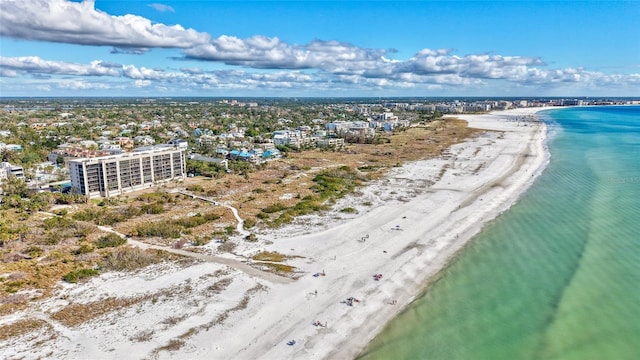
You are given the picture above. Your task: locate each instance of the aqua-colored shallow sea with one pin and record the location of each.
(555, 277)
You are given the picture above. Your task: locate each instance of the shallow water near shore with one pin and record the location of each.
(555, 277)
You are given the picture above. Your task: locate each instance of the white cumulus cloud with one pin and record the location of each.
(81, 23)
(36, 65)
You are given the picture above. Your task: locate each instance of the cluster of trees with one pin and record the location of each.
(15, 194)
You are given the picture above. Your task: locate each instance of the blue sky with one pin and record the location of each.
(319, 48)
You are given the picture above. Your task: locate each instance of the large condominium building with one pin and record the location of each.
(117, 174)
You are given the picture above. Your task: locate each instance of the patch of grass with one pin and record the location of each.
(349, 210)
(249, 223)
(279, 268)
(57, 222)
(227, 246)
(196, 220)
(161, 229)
(176, 227)
(229, 230)
(21, 327)
(76, 314)
(13, 286)
(151, 209)
(188, 333)
(110, 240)
(143, 336)
(61, 212)
(77, 275)
(195, 188)
(251, 237)
(219, 285)
(129, 258)
(201, 240)
(84, 248)
(173, 320)
(269, 256)
(370, 167)
(335, 183)
(33, 251)
(274, 208)
(173, 345)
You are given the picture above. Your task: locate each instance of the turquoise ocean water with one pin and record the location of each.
(555, 277)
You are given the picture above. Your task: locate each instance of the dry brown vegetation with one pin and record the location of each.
(289, 181)
(38, 249)
(76, 314)
(21, 327)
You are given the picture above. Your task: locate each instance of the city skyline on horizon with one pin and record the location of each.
(319, 49)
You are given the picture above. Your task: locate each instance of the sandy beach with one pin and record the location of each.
(408, 226)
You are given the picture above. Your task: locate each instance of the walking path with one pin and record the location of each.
(236, 264)
(239, 227)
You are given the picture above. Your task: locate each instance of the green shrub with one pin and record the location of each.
(200, 240)
(61, 212)
(33, 251)
(191, 221)
(84, 248)
(274, 208)
(110, 240)
(195, 188)
(153, 209)
(13, 286)
(159, 229)
(249, 223)
(77, 275)
(57, 222)
(50, 239)
(88, 214)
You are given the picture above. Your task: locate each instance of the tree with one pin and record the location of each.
(9, 156)
(14, 186)
(60, 160)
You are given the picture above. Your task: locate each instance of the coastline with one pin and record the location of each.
(417, 219)
(433, 227)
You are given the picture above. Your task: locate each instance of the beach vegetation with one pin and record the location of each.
(130, 258)
(248, 223)
(173, 228)
(38, 250)
(110, 240)
(227, 246)
(21, 327)
(274, 208)
(162, 229)
(77, 275)
(201, 240)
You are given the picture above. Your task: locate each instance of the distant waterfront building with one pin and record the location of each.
(118, 174)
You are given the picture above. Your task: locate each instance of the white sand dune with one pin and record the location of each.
(417, 219)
